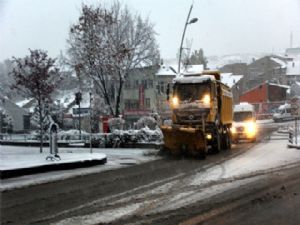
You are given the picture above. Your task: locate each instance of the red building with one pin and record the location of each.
(266, 98)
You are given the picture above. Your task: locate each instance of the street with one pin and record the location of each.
(165, 190)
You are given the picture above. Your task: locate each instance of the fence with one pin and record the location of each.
(265, 110)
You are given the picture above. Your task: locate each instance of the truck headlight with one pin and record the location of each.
(250, 128)
(174, 101)
(206, 99)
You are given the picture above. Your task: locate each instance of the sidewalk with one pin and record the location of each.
(15, 165)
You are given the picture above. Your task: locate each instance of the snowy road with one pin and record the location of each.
(161, 191)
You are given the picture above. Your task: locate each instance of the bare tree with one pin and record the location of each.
(36, 76)
(106, 43)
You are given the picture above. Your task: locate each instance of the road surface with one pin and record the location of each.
(259, 179)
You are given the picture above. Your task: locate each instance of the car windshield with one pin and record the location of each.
(191, 92)
(242, 116)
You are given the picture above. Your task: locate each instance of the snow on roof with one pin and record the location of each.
(229, 79)
(165, 71)
(243, 106)
(286, 105)
(280, 85)
(65, 97)
(279, 61)
(194, 79)
(23, 102)
(293, 68)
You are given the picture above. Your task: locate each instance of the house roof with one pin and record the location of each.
(282, 63)
(230, 79)
(171, 70)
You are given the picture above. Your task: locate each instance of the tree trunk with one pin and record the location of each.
(41, 126)
(121, 81)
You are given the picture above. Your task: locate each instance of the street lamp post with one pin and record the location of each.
(194, 20)
(91, 99)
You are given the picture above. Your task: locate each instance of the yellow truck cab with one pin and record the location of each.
(244, 123)
(201, 115)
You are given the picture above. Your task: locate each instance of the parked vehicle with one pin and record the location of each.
(283, 113)
(201, 115)
(244, 123)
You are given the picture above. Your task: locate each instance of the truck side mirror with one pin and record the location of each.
(168, 92)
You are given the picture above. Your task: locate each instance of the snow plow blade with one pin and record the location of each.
(183, 140)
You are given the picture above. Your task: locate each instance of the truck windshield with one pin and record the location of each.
(242, 116)
(191, 92)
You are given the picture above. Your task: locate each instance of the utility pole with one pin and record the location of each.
(78, 98)
(91, 149)
(194, 20)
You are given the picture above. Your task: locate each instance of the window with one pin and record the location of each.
(150, 83)
(131, 104)
(144, 83)
(147, 103)
(161, 87)
(136, 83)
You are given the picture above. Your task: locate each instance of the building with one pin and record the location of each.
(268, 68)
(139, 94)
(164, 78)
(293, 71)
(234, 82)
(19, 116)
(292, 52)
(266, 97)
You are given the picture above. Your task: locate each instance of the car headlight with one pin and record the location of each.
(250, 128)
(233, 130)
(206, 99)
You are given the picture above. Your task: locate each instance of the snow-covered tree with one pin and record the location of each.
(36, 76)
(106, 43)
(5, 122)
(116, 123)
(146, 121)
(197, 57)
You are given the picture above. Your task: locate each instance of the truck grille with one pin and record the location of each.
(190, 116)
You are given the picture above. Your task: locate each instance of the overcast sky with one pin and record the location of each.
(224, 26)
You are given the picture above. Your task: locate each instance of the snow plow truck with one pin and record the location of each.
(202, 115)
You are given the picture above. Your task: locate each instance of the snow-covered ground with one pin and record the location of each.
(17, 157)
(239, 171)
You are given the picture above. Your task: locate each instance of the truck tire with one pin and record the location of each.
(226, 141)
(216, 147)
(203, 154)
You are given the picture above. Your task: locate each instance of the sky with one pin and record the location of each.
(223, 27)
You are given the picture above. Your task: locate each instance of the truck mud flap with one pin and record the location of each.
(189, 141)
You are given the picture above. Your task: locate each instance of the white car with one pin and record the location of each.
(283, 113)
(244, 123)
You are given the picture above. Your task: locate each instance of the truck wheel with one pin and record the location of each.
(226, 144)
(216, 147)
(203, 153)
(228, 141)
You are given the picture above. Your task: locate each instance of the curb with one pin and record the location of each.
(293, 146)
(4, 174)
